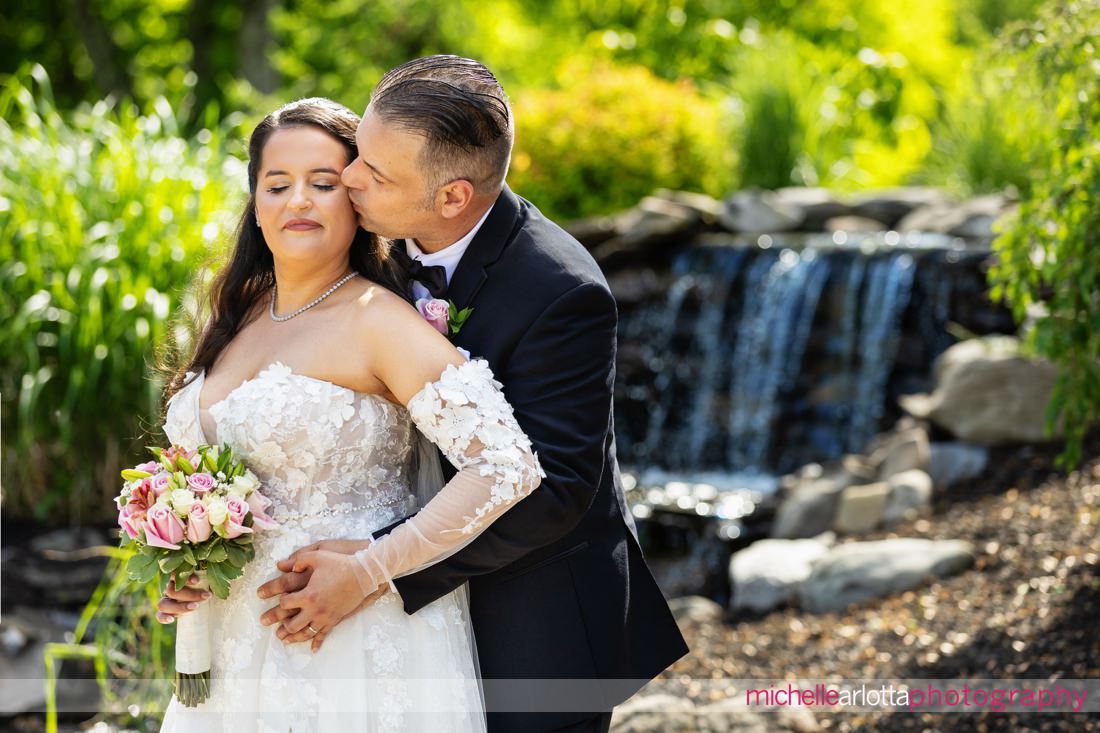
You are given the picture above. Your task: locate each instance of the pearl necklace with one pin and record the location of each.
(307, 306)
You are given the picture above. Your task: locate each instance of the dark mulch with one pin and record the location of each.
(1029, 608)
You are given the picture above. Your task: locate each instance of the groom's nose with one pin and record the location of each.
(347, 176)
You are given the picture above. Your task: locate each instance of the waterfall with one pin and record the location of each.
(760, 359)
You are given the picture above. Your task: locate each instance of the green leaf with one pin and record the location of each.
(217, 553)
(137, 565)
(170, 563)
(183, 574)
(219, 584)
(238, 556)
(189, 555)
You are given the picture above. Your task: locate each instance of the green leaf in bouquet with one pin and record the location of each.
(170, 563)
(149, 551)
(148, 572)
(238, 555)
(229, 571)
(203, 551)
(219, 584)
(184, 574)
(137, 565)
(162, 582)
(223, 460)
(217, 553)
(189, 555)
(132, 474)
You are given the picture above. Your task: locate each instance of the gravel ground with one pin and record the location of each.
(1027, 609)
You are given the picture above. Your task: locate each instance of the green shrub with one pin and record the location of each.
(994, 134)
(820, 116)
(611, 135)
(1049, 262)
(104, 217)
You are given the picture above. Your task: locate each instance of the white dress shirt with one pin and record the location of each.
(447, 258)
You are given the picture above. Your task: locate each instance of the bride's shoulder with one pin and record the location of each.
(377, 305)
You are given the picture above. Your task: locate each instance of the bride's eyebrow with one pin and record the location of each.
(333, 171)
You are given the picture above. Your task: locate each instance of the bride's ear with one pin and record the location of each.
(454, 197)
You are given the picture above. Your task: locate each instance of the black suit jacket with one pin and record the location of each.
(558, 586)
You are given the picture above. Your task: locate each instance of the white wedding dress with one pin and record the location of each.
(336, 464)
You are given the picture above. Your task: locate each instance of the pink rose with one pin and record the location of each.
(148, 467)
(258, 505)
(163, 528)
(436, 312)
(130, 519)
(160, 483)
(198, 524)
(201, 482)
(234, 523)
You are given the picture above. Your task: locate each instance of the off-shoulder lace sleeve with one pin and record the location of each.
(465, 413)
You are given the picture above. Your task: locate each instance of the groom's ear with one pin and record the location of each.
(454, 197)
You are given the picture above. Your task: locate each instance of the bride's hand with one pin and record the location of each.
(175, 602)
(332, 594)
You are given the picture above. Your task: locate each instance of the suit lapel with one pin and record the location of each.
(485, 249)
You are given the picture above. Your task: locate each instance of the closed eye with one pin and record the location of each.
(277, 189)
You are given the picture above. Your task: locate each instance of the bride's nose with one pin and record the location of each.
(298, 199)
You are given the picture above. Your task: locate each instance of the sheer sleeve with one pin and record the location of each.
(465, 413)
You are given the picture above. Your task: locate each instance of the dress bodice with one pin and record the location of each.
(318, 448)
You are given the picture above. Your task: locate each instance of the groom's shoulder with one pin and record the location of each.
(543, 252)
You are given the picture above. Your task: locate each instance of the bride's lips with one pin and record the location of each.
(301, 225)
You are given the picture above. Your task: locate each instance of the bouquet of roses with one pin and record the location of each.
(191, 512)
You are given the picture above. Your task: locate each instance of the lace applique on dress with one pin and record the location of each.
(465, 413)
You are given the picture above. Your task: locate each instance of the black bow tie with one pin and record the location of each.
(433, 277)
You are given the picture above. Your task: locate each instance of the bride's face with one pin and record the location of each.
(302, 206)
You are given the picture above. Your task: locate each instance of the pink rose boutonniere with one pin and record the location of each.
(443, 315)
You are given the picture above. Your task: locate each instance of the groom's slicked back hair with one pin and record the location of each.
(462, 112)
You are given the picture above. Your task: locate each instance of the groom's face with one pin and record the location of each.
(386, 184)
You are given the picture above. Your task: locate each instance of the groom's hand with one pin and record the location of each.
(290, 581)
(332, 594)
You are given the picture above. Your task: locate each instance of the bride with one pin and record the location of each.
(322, 378)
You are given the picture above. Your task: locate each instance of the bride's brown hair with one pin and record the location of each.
(250, 272)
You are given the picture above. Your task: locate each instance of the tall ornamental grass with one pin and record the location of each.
(105, 214)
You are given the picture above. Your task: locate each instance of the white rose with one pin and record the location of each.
(181, 500)
(217, 510)
(246, 483)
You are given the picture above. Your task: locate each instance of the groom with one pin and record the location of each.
(559, 592)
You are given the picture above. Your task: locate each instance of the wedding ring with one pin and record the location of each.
(315, 631)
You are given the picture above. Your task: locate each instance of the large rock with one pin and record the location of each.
(818, 205)
(987, 392)
(759, 212)
(972, 219)
(904, 449)
(650, 713)
(860, 571)
(910, 496)
(696, 609)
(809, 508)
(861, 508)
(892, 205)
(950, 463)
(731, 716)
(766, 574)
(654, 224)
(664, 713)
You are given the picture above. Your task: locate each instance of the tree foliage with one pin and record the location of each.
(1049, 268)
